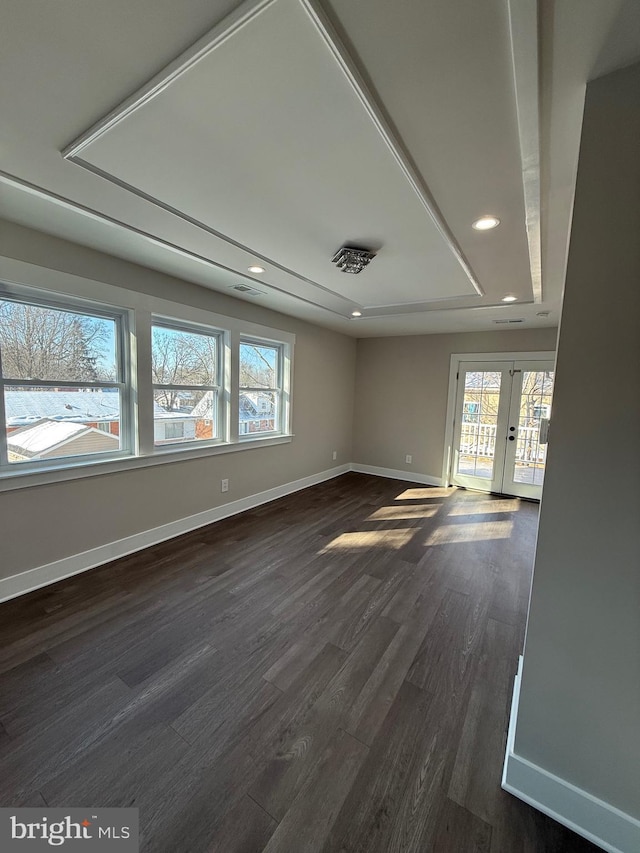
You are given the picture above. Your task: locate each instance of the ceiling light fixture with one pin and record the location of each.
(509, 298)
(352, 259)
(256, 269)
(486, 223)
(356, 313)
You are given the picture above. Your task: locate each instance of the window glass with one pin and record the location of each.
(183, 357)
(185, 367)
(258, 365)
(62, 392)
(45, 343)
(260, 403)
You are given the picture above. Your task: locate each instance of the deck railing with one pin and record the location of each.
(480, 440)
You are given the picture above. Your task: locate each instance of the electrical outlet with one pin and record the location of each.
(335, 455)
(408, 459)
(224, 485)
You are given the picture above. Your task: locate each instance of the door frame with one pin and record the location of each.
(454, 369)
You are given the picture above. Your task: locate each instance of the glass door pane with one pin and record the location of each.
(479, 423)
(481, 409)
(535, 404)
(528, 428)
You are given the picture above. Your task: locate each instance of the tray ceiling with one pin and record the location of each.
(262, 119)
(291, 127)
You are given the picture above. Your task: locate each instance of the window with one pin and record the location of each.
(64, 394)
(186, 368)
(541, 411)
(173, 430)
(261, 388)
(67, 370)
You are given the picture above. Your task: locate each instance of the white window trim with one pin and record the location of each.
(93, 308)
(141, 307)
(284, 361)
(220, 390)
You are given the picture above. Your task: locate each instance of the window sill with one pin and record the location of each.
(25, 479)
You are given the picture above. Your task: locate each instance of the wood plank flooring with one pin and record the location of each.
(329, 672)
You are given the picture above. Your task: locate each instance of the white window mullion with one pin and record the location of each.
(144, 388)
(286, 383)
(125, 362)
(234, 383)
(4, 459)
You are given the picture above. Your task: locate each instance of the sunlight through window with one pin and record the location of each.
(425, 494)
(391, 513)
(447, 534)
(361, 540)
(485, 507)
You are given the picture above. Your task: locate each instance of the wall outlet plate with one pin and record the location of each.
(224, 485)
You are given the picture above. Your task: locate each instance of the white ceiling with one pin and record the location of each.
(201, 137)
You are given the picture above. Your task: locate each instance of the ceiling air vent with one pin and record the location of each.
(246, 290)
(507, 322)
(352, 259)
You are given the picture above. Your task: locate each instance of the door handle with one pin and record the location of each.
(512, 438)
(512, 429)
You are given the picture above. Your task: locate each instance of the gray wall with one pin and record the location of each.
(401, 393)
(41, 524)
(409, 417)
(579, 706)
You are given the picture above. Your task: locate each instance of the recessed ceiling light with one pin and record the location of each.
(256, 269)
(356, 313)
(486, 223)
(509, 298)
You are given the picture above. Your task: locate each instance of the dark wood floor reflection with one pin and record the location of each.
(329, 672)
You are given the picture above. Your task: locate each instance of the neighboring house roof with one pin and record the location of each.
(24, 407)
(160, 414)
(28, 407)
(249, 408)
(204, 408)
(46, 435)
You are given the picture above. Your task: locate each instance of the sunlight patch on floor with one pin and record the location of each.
(447, 534)
(391, 513)
(484, 507)
(428, 492)
(370, 539)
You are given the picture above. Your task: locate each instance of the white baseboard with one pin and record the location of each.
(598, 821)
(33, 579)
(396, 474)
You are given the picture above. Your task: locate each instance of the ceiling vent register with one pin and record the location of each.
(352, 259)
(244, 288)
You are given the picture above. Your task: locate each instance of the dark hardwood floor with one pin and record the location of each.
(330, 672)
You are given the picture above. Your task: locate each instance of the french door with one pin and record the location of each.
(502, 415)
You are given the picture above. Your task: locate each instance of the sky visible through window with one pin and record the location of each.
(38, 342)
(181, 357)
(258, 366)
